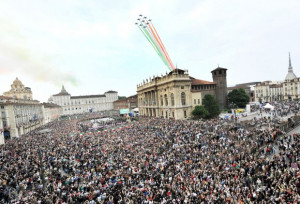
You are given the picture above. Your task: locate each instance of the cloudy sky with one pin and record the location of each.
(93, 46)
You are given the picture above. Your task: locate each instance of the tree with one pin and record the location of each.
(210, 104)
(238, 97)
(200, 112)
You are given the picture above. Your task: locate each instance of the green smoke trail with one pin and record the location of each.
(150, 40)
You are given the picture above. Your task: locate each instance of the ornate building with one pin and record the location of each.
(19, 116)
(81, 104)
(18, 91)
(175, 94)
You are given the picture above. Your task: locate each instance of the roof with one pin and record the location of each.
(51, 105)
(238, 87)
(87, 96)
(63, 92)
(219, 68)
(133, 96)
(121, 100)
(200, 82)
(248, 83)
(5, 97)
(179, 71)
(21, 103)
(275, 85)
(111, 91)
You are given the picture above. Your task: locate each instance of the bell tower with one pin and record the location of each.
(219, 77)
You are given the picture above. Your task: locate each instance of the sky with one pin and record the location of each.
(94, 46)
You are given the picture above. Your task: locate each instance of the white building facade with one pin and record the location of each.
(81, 104)
(268, 91)
(19, 117)
(51, 112)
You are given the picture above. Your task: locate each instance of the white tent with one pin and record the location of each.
(135, 110)
(269, 106)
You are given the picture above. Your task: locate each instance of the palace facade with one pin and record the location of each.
(81, 104)
(175, 94)
(19, 116)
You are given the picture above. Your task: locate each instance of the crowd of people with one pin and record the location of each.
(152, 160)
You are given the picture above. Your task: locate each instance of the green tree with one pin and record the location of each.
(200, 112)
(239, 97)
(210, 104)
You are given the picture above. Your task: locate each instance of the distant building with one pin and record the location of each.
(18, 91)
(82, 104)
(291, 89)
(291, 84)
(130, 103)
(19, 116)
(268, 91)
(249, 88)
(176, 94)
(51, 112)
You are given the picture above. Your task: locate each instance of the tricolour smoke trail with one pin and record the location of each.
(153, 38)
(173, 67)
(153, 45)
(160, 47)
(157, 48)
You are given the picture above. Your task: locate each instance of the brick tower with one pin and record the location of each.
(219, 77)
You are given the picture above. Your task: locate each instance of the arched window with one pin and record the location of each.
(172, 99)
(166, 99)
(183, 98)
(161, 100)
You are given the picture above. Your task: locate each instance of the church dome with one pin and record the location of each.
(290, 76)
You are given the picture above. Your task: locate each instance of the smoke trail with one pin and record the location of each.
(16, 56)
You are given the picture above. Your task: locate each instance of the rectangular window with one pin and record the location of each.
(182, 87)
(173, 114)
(198, 101)
(184, 112)
(194, 101)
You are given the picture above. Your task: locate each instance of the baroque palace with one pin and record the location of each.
(82, 104)
(175, 94)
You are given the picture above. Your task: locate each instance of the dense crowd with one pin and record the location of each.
(152, 161)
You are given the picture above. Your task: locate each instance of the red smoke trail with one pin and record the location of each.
(161, 44)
